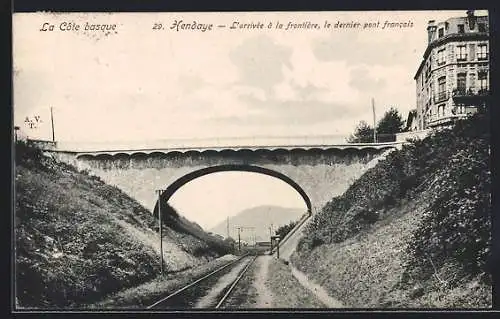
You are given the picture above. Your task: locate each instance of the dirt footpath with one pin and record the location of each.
(273, 284)
(264, 295)
(316, 289)
(277, 287)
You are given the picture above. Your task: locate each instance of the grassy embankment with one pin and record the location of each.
(150, 292)
(413, 231)
(286, 290)
(79, 240)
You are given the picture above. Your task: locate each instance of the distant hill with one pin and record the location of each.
(260, 218)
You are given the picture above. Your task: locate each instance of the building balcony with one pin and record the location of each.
(456, 36)
(463, 93)
(440, 97)
(444, 120)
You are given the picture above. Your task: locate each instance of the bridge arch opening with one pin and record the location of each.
(167, 193)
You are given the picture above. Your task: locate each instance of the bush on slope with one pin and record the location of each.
(71, 243)
(449, 170)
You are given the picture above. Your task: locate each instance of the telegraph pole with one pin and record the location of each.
(160, 230)
(16, 128)
(278, 248)
(52, 121)
(374, 123)
(271, 239)
(239, 239)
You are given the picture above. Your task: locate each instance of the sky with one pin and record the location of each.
(228, 193)
(140, 83)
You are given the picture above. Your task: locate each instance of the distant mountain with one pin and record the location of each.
(260, 218)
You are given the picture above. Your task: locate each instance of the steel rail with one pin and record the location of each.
(235, 282)
(196, 281)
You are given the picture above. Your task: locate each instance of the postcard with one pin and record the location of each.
(182, 161)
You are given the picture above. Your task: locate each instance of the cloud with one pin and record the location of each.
(298, 112)
(354, 48)
(260, 62)
(362, 80)
(191, 83)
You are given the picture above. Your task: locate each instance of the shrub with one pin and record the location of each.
(450, 172)
(27, 154)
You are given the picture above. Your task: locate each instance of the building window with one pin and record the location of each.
(482, 52)
(440, 32)
(459, 109)
(441, 91)
(461, 83)
(461, 28)
(482, 78)
(441, 57)
(440, 111)
(481, 27)
(461, 53)
(472, 81)
(442, 84)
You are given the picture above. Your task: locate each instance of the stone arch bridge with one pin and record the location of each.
(317, 170)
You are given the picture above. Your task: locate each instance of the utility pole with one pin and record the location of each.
(239, 239)
(16, 128)
(374, 122)
(160, 230)
(278, 248)
(52, 121)
(240, 229)
(271, 239)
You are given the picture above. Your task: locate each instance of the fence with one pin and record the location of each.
(404, 136)
(43, 144)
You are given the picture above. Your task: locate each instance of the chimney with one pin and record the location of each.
(472, 19)
(431, 30)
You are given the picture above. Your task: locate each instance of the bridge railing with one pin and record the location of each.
(208, 143)
(205, 142)
(43, 144)
(401, 137)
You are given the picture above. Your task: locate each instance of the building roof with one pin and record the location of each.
(452, 37)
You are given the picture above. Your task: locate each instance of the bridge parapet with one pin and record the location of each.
(224, 142)
(147, 148)
(210, 143)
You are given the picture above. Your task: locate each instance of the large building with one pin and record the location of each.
(453, 79)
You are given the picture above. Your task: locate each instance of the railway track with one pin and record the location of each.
(209, 291)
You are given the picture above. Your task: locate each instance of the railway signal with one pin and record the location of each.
(277, 239)
(240, 229)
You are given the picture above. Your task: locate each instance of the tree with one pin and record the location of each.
(391, 123)
(230, 242)
(285, 229)
(362, 134)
